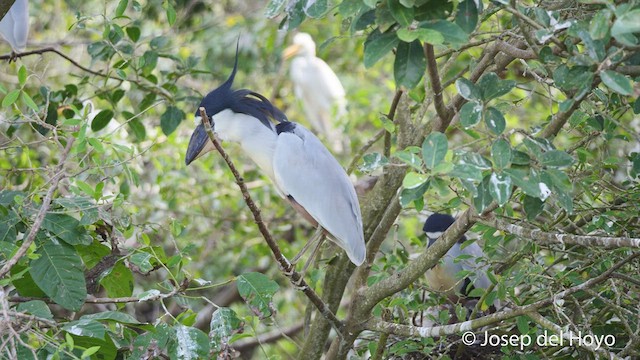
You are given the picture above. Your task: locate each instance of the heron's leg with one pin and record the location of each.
(315, 238)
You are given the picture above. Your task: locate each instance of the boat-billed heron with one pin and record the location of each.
(302, 169)
(445, 277)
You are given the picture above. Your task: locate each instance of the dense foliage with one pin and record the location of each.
(520, 117)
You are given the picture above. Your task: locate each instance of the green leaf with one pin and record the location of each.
(372, 162)
(142, 260)
(403, 15)
(466, 172)
(451, 32)
(467, 89)
(122, 6)
(599, 24)
(8, 226)
(532, 207)
(257, 290)
(426, 35)
(316, 9)
(101, 120)
(36, 308)
(409, 65)
(556, 159)
(413, 180)
(59, 273)
(494, 120)
(118, 281)
(378, 45)
(171, 13)
(434, 149)
(491, 86)
(66, 228)
(470, 114)
(189, 343)
(467, 15)
(617, 82)
(133, 32)
(29, 101)
(170, 120)
(501, 154)
(626, 24)
(85, 327)
(415, 195)
(10, 98)
(224, 324)
(273, 8)
(529, 183)
(138, 129)
(114, 316)
(22, 75)
(483, 197)
(500, 187)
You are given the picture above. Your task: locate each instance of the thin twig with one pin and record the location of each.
(287, 268)
(436, 87)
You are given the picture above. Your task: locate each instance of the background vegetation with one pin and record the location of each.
(518, 116)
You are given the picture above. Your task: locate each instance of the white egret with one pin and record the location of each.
(443, 277)
(303, 171)
(318, 88)
(14, 26)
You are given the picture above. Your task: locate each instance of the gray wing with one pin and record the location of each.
(304, 169)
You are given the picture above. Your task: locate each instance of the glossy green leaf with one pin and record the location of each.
(316, 9)
(22, 75)
(617, 82)
(415, 196)
(403, 15)
(425, 35)
(29, 101)
(273, 8)
(133, 32)
(257, 290)
(434, 149)
(409, 65)
(626, 24)
(59, 273)
(556, 159)
(171, 13)
(532, 207)
(451, 32)
(413, 180)
(170, 120)
(10, 98)
(8, 226)
(599, 24)
(501, 153)
(101, 120)
(224, 324)
(118, 281)
(528, 183)
(494, 120)
(470, 114)
(491, 86)
(466, 172)
(36, 308)
(483, 197)
(66, 228)
(467, 89)
(500, 187)
(189, 343)
(467, 15)
(378, 45)
(85, 327)
(122, 6)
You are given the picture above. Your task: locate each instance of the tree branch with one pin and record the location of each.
(541, 237)
(436, 87)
